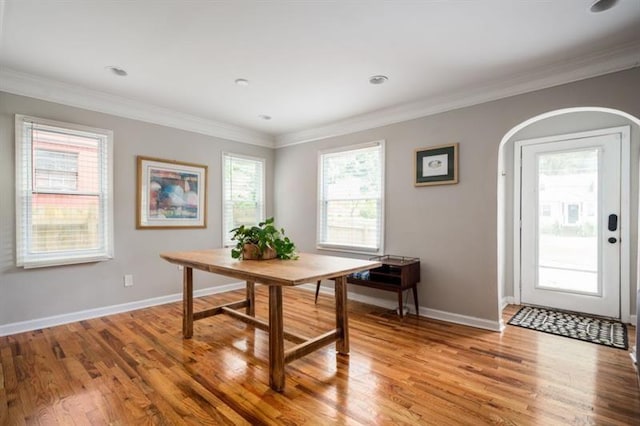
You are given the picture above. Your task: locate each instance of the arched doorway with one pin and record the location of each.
(558, 122)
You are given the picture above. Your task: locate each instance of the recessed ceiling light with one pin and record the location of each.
(242, 82)
(264, 117)
(378, 79)
(117, 71)
(602, 5)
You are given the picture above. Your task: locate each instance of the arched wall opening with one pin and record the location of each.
(558, 122)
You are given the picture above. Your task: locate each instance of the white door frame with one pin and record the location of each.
(625, 223)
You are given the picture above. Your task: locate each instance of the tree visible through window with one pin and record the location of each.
(63, 197)
(351, 202)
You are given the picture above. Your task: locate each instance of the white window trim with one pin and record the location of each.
(352, 249)
(63, 258)
(263, 213)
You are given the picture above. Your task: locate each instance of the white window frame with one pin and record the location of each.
(226, 238)
(25, 258)
(323, 245)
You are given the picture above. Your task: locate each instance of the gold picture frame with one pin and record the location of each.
(170, 194)
(436, 165)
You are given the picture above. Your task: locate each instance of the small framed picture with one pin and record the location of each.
(170, 194)
(436, 165)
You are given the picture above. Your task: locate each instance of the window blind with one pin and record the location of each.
(351, 198)
(243, 193)
(63, 197)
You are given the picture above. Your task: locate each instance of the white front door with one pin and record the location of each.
(570, 223)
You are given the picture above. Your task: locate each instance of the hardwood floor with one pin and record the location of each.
(135, 368)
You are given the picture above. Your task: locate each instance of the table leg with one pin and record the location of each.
(251, 298)
(400, 303)
(187, 303)
(415, 299)
(342, 319)
(276, 339)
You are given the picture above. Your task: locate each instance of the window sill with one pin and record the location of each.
(352, 250)
(45, 263)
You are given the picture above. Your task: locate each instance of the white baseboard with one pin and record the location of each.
(507, 300)
(462, 319)
(36, 324)
(424, 312)
(369, 300)
(502, 325)
(633, 319)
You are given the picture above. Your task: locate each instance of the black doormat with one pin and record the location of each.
(595, 330)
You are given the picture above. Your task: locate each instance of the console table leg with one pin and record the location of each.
(276, 339)
(415, 299)
(187, 303)
(400, 303)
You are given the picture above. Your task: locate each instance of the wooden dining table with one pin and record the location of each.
(276, 274)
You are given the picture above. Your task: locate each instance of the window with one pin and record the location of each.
(351, 198)
(56, 170)
(64, 201)
(243, 193)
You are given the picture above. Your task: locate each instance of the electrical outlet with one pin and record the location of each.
(128, 280)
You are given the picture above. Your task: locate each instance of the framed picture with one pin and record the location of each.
(170, 194)
(436, 165)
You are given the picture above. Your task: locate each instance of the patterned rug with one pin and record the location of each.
(595, 330)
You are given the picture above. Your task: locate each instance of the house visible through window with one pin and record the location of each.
(243, 193)
(56, 170)
(351, 198)
(64, 199)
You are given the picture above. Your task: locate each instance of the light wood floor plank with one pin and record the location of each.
(135, 368)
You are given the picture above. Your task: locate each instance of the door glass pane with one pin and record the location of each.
(568, 221)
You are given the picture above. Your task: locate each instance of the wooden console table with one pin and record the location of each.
(396, 273)
(276, 274)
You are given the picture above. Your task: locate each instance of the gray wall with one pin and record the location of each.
(38, 293)
(452, 228)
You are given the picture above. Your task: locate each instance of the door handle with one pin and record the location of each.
(612, 240)
(613, 222)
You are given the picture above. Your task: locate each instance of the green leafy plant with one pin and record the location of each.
(264, 237)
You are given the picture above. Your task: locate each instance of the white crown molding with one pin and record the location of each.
(624, 57)
(23, 84)
(37, 324)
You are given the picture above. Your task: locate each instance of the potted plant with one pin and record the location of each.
(262, 242)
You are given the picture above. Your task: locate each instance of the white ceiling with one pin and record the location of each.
(308, 62)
